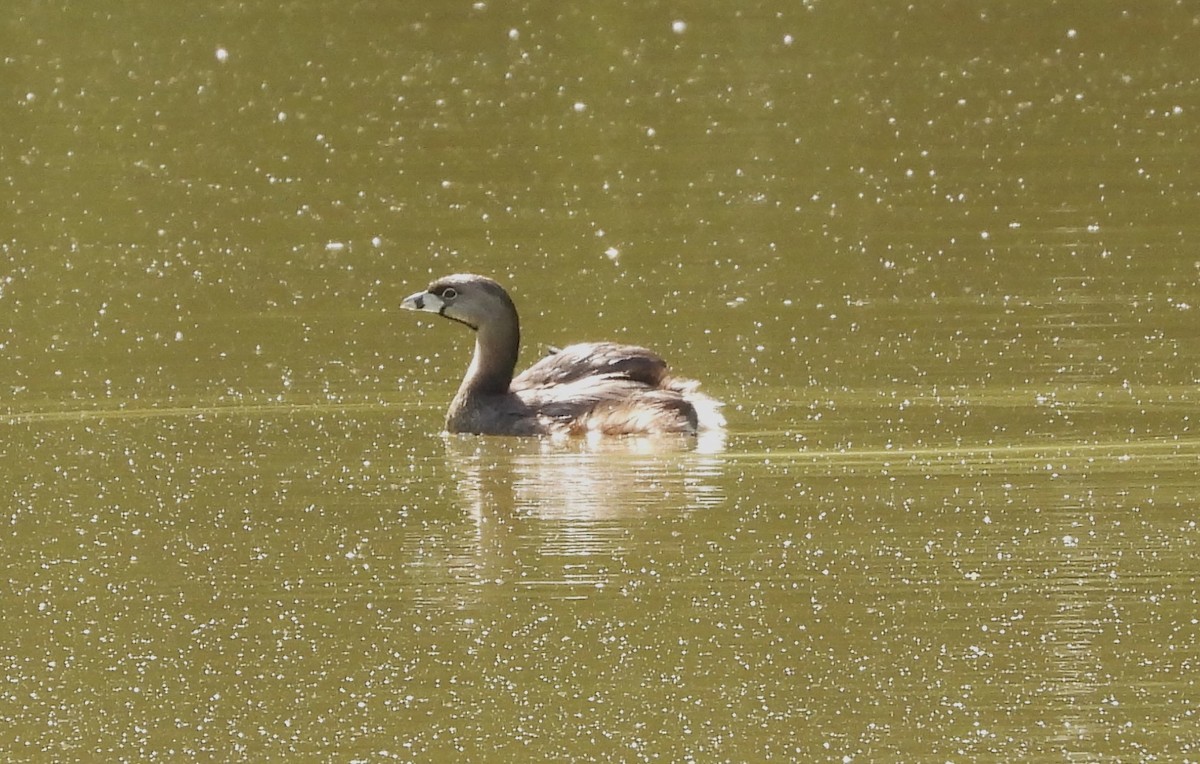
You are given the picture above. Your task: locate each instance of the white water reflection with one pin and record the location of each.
(582, 480)
(546, 513)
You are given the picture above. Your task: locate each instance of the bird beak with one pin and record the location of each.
(426, 301)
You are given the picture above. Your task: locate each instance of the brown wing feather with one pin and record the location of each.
(591, 359)
(610, 405)
(649, 411)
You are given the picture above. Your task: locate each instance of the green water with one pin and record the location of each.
(940, 263)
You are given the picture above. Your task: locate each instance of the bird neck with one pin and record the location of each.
(491, 369)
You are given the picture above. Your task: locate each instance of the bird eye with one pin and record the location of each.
(449, 293)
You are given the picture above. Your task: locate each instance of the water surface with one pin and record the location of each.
(939, 262)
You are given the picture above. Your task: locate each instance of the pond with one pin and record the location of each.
(939, 263)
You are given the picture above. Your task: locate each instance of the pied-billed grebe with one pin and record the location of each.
(599, 387)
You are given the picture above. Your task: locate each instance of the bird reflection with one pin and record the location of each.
(586, 480)
(554, 512)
